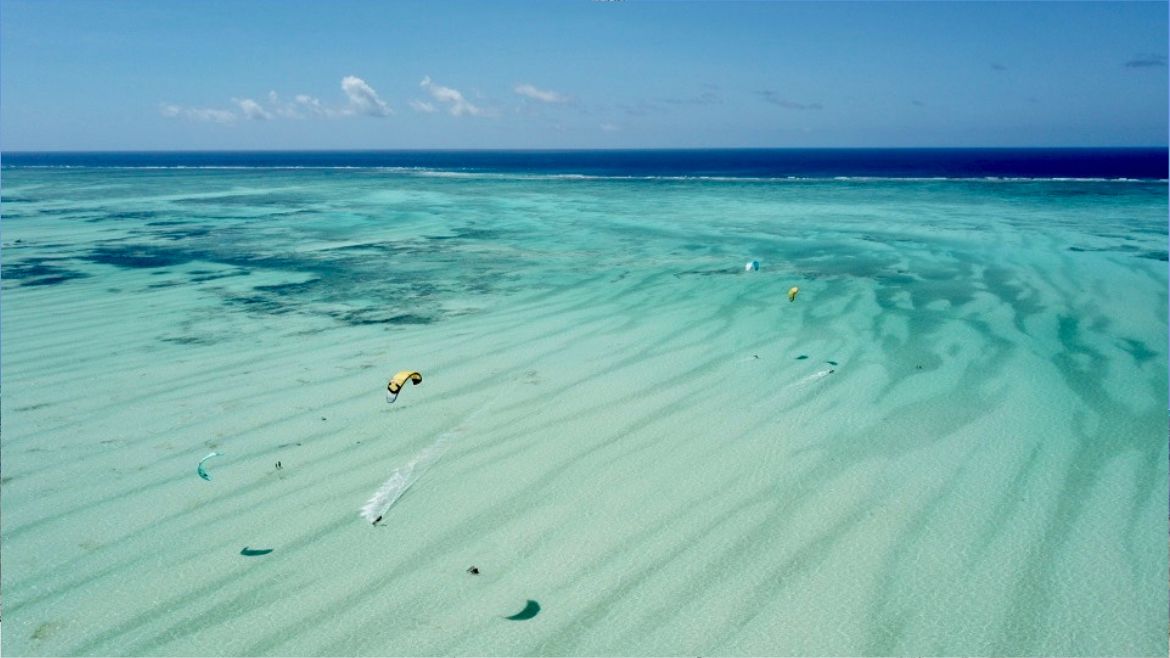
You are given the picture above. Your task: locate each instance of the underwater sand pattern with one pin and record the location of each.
(971, 459)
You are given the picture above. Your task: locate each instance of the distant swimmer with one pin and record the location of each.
(278, 466)
(473, 570)
(831, 371)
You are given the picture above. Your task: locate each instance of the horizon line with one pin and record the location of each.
(592, 149)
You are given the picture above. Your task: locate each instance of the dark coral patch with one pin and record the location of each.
(374, 316)
(138, 256)
(38, 272)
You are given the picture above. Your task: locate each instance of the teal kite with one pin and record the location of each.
(203, 473)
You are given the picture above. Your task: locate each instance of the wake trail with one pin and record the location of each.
(406, 475)
(805, 381)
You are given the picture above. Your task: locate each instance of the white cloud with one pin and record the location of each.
(304, 104)
(363, 99)
(458, 104)
(539, 94)
(423, 106)
(213, 115)
(252, 109)
(282, 109)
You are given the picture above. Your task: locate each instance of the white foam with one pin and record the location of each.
(406, 475)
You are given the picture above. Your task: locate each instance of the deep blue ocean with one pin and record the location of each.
(1080, 163)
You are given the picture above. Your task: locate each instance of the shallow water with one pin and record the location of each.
(970, 457)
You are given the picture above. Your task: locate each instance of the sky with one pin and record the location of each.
(342, 74)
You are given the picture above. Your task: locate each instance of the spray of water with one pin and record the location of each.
(406, 475)
(401, 479)
(805, 381)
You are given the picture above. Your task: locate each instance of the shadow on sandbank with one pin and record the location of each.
(530, 610)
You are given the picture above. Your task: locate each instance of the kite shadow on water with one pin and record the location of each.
(530, 610)
(250, 552)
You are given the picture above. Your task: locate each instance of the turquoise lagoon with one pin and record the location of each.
(954, 441)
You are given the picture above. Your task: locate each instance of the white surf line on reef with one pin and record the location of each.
(406, 475)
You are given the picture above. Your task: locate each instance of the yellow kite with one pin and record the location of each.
(399, 380)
